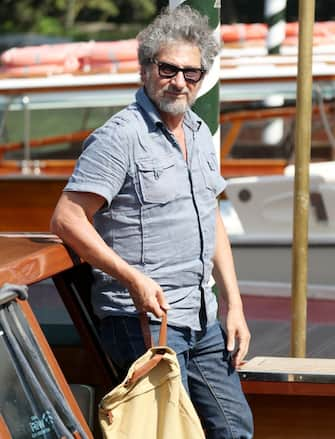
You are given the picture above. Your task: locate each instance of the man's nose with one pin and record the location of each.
(179, 80)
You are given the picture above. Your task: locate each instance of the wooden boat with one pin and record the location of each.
(26, 260)
(281, 391)
(34, 170)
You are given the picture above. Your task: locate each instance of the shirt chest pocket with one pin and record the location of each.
(210, 171)
(157, 179)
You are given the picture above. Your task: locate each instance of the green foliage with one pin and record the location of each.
(60, 17)
(142, 10)
(48, 26)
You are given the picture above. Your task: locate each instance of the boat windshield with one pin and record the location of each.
(51, 125)
(32, 404)
(20, 408)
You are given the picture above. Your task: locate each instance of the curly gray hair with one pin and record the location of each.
(182, 24)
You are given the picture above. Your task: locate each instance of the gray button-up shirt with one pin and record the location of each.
(159, 213)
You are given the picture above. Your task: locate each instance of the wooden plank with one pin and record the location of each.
(4, 432)
(29, 259)
(290, 365)
(27, 203)
(15, 219)
(256, 387)
(230, 138)
(77, 136)
(240, 166)
(283, 404)
(292, 417)
(11, 170)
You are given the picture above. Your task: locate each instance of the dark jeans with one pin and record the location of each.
(213, 385)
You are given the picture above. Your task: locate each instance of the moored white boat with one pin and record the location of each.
(259, 218)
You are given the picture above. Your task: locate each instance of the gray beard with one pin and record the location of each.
(174, 108)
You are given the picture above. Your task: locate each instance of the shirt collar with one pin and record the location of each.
(192, 120)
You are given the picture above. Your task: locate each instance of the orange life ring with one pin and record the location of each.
(240, 32)
(123, 50)
(93, 57)
(69, 66)
(131, 66)
(243, 32)
(291, 29)
(101, 51)
(44, 54)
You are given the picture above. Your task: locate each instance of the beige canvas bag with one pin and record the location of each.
(151, 402)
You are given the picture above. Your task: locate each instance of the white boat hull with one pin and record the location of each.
(259, 219)
(271, 262)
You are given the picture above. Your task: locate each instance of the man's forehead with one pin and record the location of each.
(177, 53)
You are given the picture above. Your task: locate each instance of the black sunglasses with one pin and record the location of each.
(191, 74)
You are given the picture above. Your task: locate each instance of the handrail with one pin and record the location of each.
(266, 113)
(77, 136)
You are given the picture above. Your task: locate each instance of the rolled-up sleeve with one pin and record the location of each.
(103, 164)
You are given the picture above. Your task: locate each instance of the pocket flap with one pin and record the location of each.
(149, 164)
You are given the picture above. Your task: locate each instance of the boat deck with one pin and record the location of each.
(270, 325)
(272, 338)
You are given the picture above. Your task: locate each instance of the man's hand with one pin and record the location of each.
(237, 329)
(147, 295)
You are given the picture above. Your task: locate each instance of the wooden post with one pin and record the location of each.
(301, 182)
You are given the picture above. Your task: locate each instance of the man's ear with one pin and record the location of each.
(143, 73)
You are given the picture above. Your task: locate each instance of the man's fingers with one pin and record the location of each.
(230, 341)
(162, 301)
(157, 311)
(158, 304)
(241, 352)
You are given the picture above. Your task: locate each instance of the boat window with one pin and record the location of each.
(52, 133)
(52, 314)
(255, 130)
(270, 138)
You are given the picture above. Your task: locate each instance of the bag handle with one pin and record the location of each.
(144, 320)
(150, 364)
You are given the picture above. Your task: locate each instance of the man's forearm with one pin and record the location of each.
(223, 266)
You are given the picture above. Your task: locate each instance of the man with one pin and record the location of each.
(141, 208)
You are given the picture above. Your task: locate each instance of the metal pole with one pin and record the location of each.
(274, 13)
(207, 105)
(26, 134)
(301, 181)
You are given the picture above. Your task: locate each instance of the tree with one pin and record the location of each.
(58, 17)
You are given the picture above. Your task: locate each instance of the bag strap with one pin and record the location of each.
(150, 364)
(144, 320)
